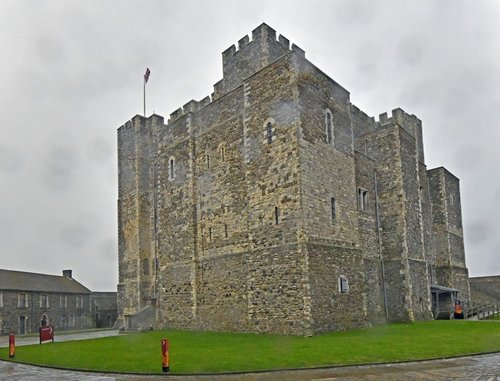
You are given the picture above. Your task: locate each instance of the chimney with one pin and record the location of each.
(68, 274)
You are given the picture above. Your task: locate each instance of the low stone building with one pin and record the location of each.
(485, 289)
(30, 300)
(276, 205)
(104, 309)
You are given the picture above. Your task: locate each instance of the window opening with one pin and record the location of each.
(276, 215)
(362, 199)
(269, 131)
(343, 284)
(329, 127)
(225, 231)
(171, 169)
(333, 208)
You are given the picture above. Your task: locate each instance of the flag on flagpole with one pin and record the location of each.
(146, 75)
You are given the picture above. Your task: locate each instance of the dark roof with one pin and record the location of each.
(436, 288)
(23, 281)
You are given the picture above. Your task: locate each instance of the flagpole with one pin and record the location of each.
(146, 77)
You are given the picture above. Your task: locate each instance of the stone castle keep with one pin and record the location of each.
(276, 205)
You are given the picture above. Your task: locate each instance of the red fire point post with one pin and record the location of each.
(12, 345)
(164, 356)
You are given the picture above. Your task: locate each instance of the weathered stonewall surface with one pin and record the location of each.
(276, 205)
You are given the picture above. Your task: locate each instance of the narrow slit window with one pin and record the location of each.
(207, 159)
(210, 234)
(333, 208)
(171, 169)
(223, 153)
(269, 132)
(276, 215)
(328, 127)
(225, 231)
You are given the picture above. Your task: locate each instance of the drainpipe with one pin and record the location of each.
(379, 238)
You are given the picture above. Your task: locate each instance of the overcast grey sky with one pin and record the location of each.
(71, 74)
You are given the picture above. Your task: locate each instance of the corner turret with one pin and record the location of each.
(251, 56)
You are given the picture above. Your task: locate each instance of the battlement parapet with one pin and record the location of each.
(400, 117)
(251, 56)
(191, 107)
(409, 123)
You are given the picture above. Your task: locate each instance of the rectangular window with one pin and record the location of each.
(71, 320)
(63, 301)
(343, 285)
(22, 300)
(44, 301)
(79, 301)
(1, 302)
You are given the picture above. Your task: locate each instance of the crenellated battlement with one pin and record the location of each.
(251, 56)
(400, 117)
(239, 63)
(191, 107)
(409, 123)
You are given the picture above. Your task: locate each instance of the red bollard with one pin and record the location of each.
(164, 356)
(12, 345)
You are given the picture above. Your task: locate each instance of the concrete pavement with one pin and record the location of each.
(59, 336)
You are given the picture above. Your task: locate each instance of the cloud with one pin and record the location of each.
(73, 74)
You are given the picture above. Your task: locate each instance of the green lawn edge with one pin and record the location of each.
(211, 352)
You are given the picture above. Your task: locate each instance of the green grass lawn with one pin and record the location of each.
(196, 352)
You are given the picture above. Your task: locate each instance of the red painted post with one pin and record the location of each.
(165, 360)
(12, 345)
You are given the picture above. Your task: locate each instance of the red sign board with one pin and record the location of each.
(46, 334)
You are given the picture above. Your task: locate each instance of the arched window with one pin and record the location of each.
(362, 199)
(328, 127)
(269, 131)
(171, 168)
(223, 153)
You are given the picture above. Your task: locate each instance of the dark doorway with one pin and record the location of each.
(22, 325)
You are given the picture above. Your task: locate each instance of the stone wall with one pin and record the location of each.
(448, 232)
(485, 289)
(62, 315)
(278, 206)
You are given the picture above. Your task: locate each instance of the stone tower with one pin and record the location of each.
(276, 205)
